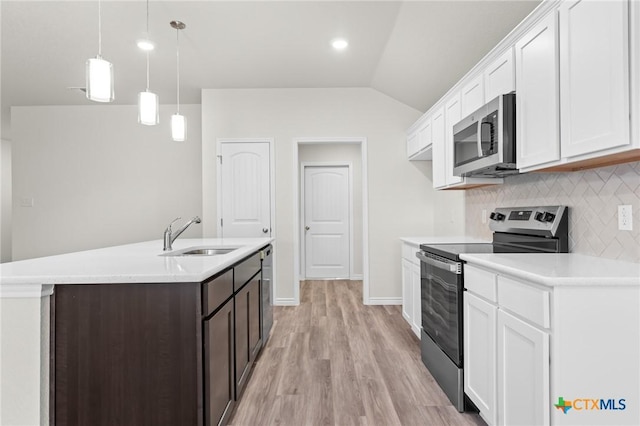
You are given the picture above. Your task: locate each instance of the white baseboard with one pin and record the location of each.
(356, 277)
(385, 301)
(288, 301)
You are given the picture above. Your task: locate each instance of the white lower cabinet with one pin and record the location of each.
(480, 354)
(515, 330)
(411, 309)
(506, 357)
(407, 295)
(523, 372)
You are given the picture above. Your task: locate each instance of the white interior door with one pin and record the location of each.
(245, 190)
(326, 221)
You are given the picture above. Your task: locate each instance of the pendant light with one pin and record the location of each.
(178, 122)
(148, 104)
(99, 72)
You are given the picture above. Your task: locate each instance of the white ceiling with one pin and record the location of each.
(412, 51)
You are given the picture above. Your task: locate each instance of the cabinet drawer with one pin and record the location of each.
(244, 271)
(216, 291)
(409, 253)
(480, 282)
(529, 302)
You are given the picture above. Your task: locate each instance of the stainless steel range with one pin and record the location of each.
(516, 230)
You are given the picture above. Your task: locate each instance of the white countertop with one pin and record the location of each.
(563, 269)
(416, 241)
(131, 263)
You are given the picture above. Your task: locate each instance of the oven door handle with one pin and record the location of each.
(447, 266)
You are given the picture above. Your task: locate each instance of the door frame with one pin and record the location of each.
(303, 254)
(272, 207)
(362, 141)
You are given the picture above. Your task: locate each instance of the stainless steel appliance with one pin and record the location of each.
(484, 143)
(266, 305)
(516, 230)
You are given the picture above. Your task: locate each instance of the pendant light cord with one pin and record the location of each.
(99, 29)
(178, 67)
(147, 71)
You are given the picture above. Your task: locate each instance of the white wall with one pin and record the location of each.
(5, 201)
(401, 201)
(327, 153)
(98, 178)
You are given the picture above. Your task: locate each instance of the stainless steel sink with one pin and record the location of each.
(206, 252)
(201, 251)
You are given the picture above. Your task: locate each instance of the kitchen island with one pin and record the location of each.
(132, 276)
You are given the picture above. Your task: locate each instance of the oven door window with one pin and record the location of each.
(441, 309)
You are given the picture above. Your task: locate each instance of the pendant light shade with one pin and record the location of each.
(148, 104)
(178, 128)
(178, 122)
(99, 80)
(99, 72)
(148, 110)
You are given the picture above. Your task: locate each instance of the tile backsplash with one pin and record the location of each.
(593, 197)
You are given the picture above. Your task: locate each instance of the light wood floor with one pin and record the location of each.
(334, 361)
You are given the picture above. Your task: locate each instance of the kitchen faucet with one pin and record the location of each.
(170, 237)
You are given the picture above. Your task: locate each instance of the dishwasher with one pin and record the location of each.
(266, 288)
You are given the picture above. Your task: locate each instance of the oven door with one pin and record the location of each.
(441, 302)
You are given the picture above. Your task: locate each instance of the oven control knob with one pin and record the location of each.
(545, 217)
(496, 216)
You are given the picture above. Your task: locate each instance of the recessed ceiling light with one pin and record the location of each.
(339, 44)
(146, 45)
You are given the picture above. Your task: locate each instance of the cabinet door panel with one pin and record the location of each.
(452, 116)
(255, 344)
(499, 77)
(242, 355)
(472, 96)
(407, 292)
(219, 383)
(439, 156)
(417, 307)
(480, 355)
(412, 143)
(523, 373)
(424, 135)
(537, 95)
(594, 75)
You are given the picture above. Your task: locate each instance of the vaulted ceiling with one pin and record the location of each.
(412, 51)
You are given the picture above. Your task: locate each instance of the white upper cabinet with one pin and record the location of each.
(472, 95)
(594, 75)
(424, 135)
(412, 143)
(439, 161)
(419, 139)
(537, 95)
(453, 114)
(499, 77)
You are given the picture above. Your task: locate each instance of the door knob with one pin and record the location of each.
(265, 230)
(306, 228)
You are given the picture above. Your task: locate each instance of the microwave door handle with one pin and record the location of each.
(479, 138)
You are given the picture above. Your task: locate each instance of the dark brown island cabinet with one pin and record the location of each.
(155, 354)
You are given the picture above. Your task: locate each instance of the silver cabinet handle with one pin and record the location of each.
(306, 228)
(265, 230)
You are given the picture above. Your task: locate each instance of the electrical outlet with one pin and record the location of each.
(26, 202)
(625, 218)
(484, 216)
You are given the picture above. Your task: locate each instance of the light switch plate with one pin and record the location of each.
(26, 202)
(625, 218)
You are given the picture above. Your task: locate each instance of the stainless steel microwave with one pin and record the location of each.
(484, 143)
